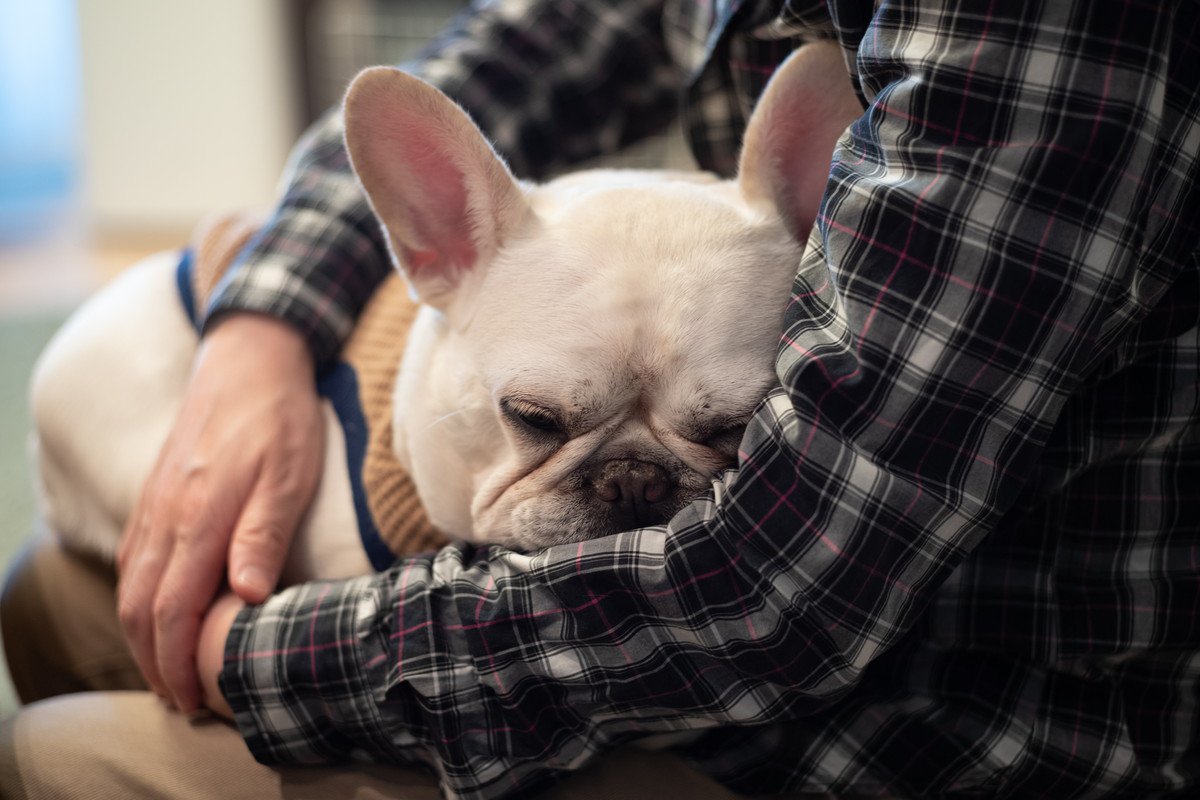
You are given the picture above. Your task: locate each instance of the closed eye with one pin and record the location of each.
(724, 437)
(531, 418)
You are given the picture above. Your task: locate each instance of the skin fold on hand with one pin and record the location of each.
(224, 499)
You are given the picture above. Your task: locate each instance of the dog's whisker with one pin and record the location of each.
(445, 417)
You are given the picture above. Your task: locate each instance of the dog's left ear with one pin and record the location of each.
(791, 135)
(446, 200)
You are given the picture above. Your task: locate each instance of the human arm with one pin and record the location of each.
(980, 249)
(551, 83)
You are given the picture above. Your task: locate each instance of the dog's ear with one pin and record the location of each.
(446, 200)
(790, 137)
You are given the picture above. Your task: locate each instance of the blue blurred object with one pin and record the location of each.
(39, 114)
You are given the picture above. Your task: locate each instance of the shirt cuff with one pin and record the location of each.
(304, 674)
(256, 289)
(310, 271)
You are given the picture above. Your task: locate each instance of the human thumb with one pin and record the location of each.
(260, 544)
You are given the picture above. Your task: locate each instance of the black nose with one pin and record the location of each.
(635, 490)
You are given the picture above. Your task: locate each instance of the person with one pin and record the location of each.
(959, 555)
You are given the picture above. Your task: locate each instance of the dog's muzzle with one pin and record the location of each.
(637, 493)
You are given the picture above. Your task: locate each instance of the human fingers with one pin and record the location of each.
(193, 573)
(265, 530)
(287, 470)
(142, 555)
(141, 561)
(185, 514)
(251, 390)
(178, 556)
(135, 535)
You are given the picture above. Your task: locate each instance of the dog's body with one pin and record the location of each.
(588, 352)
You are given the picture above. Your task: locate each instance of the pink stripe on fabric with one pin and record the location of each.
(600, 610)
(347, 265)
(312, 631)
(823, 538)
(891, 424)
(312, 641)
(751, 632)
(487, 648)
(1004, 144)
(991, 294)
(684, 688)
(291, 651)
(903, 256)
(811, 293)
(962, 107)
(400, 620)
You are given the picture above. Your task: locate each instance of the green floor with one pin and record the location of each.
(21, 339)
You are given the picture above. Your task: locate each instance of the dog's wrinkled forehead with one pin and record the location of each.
(658, 283)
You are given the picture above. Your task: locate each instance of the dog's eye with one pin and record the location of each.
(723, 437)
(531, 417)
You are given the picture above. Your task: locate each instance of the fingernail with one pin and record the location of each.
(254, 579)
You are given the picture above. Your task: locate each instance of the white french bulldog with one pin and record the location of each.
(586, 358)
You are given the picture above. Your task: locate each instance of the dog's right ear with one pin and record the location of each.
(791, 135)
(446, 200)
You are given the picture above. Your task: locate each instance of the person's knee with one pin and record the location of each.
(128, 744)
(59, 626)
(14, 595)
(21, 611)
(10, 772)
(72, 747)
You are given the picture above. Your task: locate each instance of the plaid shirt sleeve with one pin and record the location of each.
(550, 83)
(1012, 211)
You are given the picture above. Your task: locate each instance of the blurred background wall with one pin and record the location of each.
(39, 112)
(188, 107)
(124, 121)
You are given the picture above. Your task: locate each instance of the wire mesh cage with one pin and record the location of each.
(343, 36)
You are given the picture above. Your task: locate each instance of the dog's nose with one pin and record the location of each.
(633, 489)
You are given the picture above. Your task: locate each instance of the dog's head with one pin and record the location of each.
(590, 349)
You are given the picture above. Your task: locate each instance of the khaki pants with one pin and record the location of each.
(61, 635)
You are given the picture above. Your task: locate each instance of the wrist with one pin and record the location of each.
(210, 651)
(243, 333)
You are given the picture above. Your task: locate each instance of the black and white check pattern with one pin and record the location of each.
(960, 555)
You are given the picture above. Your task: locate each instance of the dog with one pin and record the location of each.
(587, 352)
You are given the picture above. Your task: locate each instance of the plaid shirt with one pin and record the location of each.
(960, 553)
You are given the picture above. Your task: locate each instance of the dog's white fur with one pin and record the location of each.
(635, 313)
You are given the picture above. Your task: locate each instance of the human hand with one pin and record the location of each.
(210, 651)
(231, 483)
